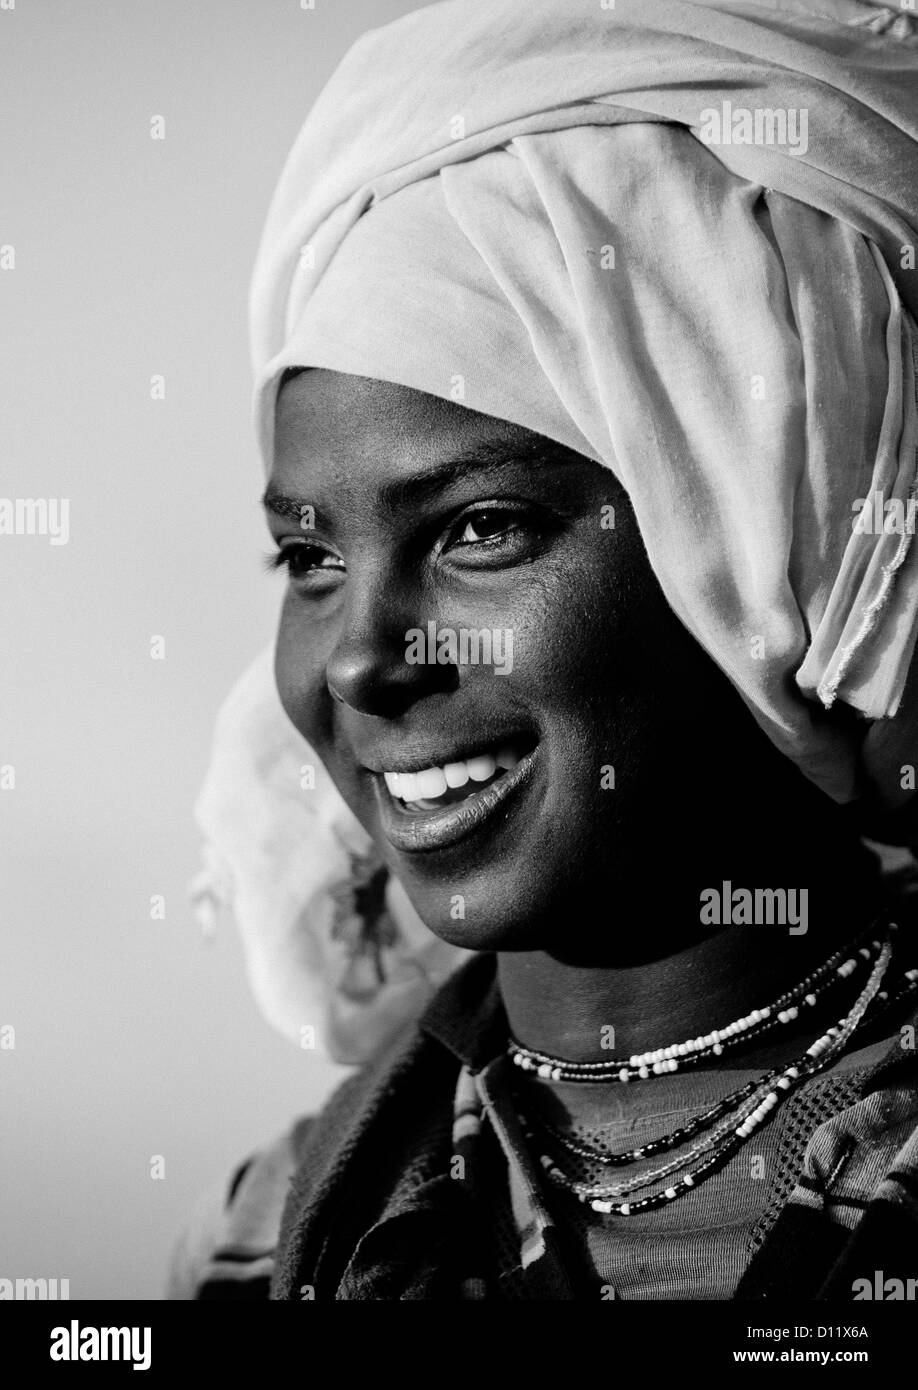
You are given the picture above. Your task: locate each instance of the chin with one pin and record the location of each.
(480, 921)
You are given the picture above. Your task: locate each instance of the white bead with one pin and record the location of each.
(556, 1074)
(718, 1050)
(670, 1193)
(643, 1073)
(688, 1180)
(597, 1205)
(625, 1209)
(634, 1061)
(811, 999)
(624, 1074)
(545, 1070)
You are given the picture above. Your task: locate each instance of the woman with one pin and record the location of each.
(585, 346)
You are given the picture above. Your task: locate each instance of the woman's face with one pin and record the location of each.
(511, 789)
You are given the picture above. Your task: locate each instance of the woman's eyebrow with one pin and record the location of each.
(418, 487)
(284, 504)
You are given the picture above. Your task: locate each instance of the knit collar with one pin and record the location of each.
(467, 1014)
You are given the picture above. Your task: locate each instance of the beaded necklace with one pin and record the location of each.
(740, 1113)
(676, 1056)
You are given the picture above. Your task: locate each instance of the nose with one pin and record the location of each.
(367, 669)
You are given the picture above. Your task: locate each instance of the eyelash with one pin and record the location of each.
(288, 555)
(499, 538)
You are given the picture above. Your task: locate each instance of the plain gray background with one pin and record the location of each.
(133, 1037)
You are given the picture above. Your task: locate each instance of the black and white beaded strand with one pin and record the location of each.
(733, 1102)
(676, 1056)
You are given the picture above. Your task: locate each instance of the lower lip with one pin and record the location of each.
(418, 832)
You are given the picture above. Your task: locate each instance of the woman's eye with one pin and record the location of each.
(303, 561)
(485, 526)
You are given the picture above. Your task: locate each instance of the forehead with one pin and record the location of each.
(332, 426)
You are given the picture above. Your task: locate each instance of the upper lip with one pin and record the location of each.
(411, 760)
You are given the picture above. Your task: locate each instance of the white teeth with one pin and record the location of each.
(431, 782)
(408, 786)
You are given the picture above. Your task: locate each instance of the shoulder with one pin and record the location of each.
(227, 1248)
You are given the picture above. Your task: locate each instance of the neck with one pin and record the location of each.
(658, 997)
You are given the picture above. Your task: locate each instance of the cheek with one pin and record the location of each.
(299, 676)
(577, 636)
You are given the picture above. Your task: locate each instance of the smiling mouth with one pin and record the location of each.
(436, 806)
(432, 788)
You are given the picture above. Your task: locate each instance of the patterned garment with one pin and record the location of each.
(336, 1209)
